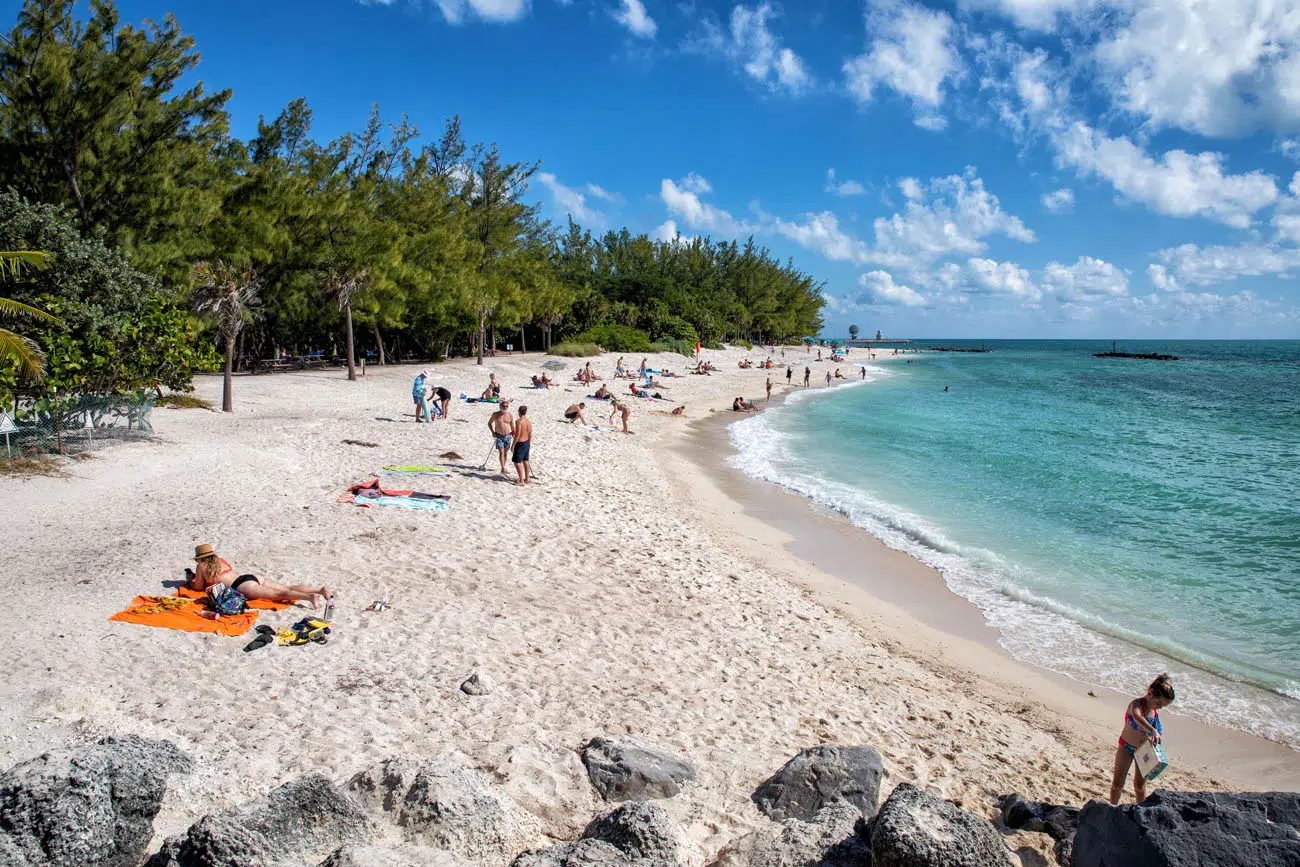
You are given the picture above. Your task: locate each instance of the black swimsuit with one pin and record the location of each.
(242, 579)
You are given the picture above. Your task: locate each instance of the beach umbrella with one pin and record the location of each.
(555, 365)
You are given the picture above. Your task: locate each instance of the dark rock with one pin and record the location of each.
(837, 836)
(818, 776)
(440, 804)
(626, 768)
(361, 855)
(295, 823)
(639, 834)
(915, 828)
(89, 805)
(1057, 820)
(477, 684)
(1205, 829)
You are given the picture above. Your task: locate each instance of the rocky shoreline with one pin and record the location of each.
(93, 805)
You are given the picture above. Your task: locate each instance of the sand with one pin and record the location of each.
(624, 591)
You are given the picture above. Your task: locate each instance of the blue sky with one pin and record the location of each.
(984, 168)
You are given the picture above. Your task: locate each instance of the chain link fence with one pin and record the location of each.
(74, 423)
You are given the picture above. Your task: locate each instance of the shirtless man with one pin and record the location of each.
(523, 444)
(573, 413)
(625, 410)
(502, 425)
(769, 389)
(602, 393)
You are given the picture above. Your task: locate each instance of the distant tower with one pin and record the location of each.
(879, 336)
(853, 332)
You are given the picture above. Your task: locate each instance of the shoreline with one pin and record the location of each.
(789, 533)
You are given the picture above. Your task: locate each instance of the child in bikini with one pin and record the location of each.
(1141, 724)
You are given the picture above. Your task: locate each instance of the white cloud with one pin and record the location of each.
(986, 276)
(842, 188)
(1215, 67)
(682, 199)
(571, 201)
(597, 192)
(1192, 265)
(949, 216)
(1176, 183)
(1060, 201)
(751, 45)
(667, 231)
(632, 15)
(1088, 279)
(498, 11)
(1033, 14)
(912, 51)
(822, 234)
(878, 287)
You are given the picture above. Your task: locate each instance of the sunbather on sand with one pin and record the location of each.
(210, 569)
(602, 393)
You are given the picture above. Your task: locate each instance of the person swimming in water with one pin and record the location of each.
(1141, 724)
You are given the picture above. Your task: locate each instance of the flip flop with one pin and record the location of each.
(260, 641)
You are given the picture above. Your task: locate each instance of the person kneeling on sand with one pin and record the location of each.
(209, 569)
(574, 413)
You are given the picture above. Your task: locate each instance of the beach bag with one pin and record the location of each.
(226, 600)
(1151, 760)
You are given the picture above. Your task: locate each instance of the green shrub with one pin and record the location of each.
(574, 349)
(749, 347)
(681, 347)
(182, 401)
(677, 328)
(616, 338)
(714, 344)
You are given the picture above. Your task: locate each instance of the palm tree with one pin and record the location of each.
(15, 347)
(227, 293)
(341, 284)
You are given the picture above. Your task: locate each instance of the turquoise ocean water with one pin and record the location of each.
(1112, 518)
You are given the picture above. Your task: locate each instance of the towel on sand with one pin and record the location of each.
(369, 494)
(183, 610)
(417, 471)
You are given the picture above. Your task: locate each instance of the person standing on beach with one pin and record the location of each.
(864, 371)
(420, 394)
(502, 425)
(444, 399)
(807, 376)
(1141, 724)
(828, 379)
(769, 389)
(789, 372)
(523, 445)
(624, 410)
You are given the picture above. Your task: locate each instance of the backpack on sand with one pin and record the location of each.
(226, 600)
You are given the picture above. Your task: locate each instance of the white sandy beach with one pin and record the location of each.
(624, 592)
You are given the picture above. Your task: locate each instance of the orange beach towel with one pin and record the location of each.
(182, 612)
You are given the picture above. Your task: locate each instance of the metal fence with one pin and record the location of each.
(73, 423)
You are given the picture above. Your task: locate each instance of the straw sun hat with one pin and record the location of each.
(203, 552)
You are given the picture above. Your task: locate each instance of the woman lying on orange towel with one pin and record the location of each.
(210, 569)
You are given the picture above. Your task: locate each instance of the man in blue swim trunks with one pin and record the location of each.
(502, 425)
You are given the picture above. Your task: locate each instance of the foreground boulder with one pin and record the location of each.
(296, 823)
(915, 828)
(1205, 829)
(1058, 821)
(88, 805)
(439, 804)
(817, 777)
(361, 855)
(626, 768)
(837, 836)
(639, 834)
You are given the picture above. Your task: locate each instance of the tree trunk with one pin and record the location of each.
(493, 344)
(379, 341)
(523, 344)
(482, 332)
(352, 362)
(227, 392)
